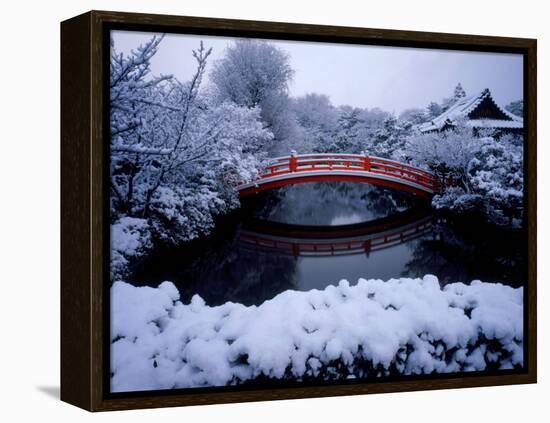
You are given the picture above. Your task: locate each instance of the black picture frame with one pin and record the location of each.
(85, 212)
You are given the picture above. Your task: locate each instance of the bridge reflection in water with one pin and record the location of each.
(250, 261)
(323, 241)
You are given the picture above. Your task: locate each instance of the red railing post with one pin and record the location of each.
(367, 247)
(293, 161)
(295, 250)
(366, 161)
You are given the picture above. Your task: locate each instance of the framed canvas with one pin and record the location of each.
(258, 210)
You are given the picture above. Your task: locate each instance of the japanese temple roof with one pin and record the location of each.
(465, 107)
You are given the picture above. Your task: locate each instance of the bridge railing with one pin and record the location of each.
(350, 162)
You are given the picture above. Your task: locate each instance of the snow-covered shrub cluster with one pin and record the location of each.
(447, 153)
(372, 329)
(496, 174)
(131, 237)
(486, 174)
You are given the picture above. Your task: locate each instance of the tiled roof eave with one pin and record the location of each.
(479, 123)
(495, 123)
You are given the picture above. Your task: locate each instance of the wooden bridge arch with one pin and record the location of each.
(295, 169)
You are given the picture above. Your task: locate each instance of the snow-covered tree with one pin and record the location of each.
(255, 73)
(350, 133)
(348, 130)
(459, 92)
(197, 191)
(515, 107)
(324, 128)
(316, 119)
(176, 153)
(250, 70)
(446, 153)
(434, 110)
(511, 139)
(414, 116)
(389, 140)
(374, 118)
(315, 110)
(496, 173)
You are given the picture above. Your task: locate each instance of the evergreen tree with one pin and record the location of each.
(413, 116)
(434, 110)
(348, 134)
(515, 107)
(389, 140)
(459, 92)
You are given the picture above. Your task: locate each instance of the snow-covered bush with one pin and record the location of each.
(457, 200)
(370, 330)
(130, 238)
(496, 174)
(446, 153)
(486, 173)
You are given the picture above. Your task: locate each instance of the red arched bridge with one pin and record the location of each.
(296, 169)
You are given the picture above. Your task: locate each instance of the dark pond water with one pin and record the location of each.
(311, 235)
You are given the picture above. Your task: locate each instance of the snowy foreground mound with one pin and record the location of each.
(372, 329)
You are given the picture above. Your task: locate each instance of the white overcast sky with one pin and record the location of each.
(391, 78)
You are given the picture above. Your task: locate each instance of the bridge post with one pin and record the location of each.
(293, 161)
(366, 161)
(367, 247)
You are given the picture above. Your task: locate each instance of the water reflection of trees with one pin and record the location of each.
(217, 270)
(464, 251)
(220, 269)
(319, 203)
(238, 275)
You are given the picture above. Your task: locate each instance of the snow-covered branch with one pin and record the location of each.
(139, 149)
